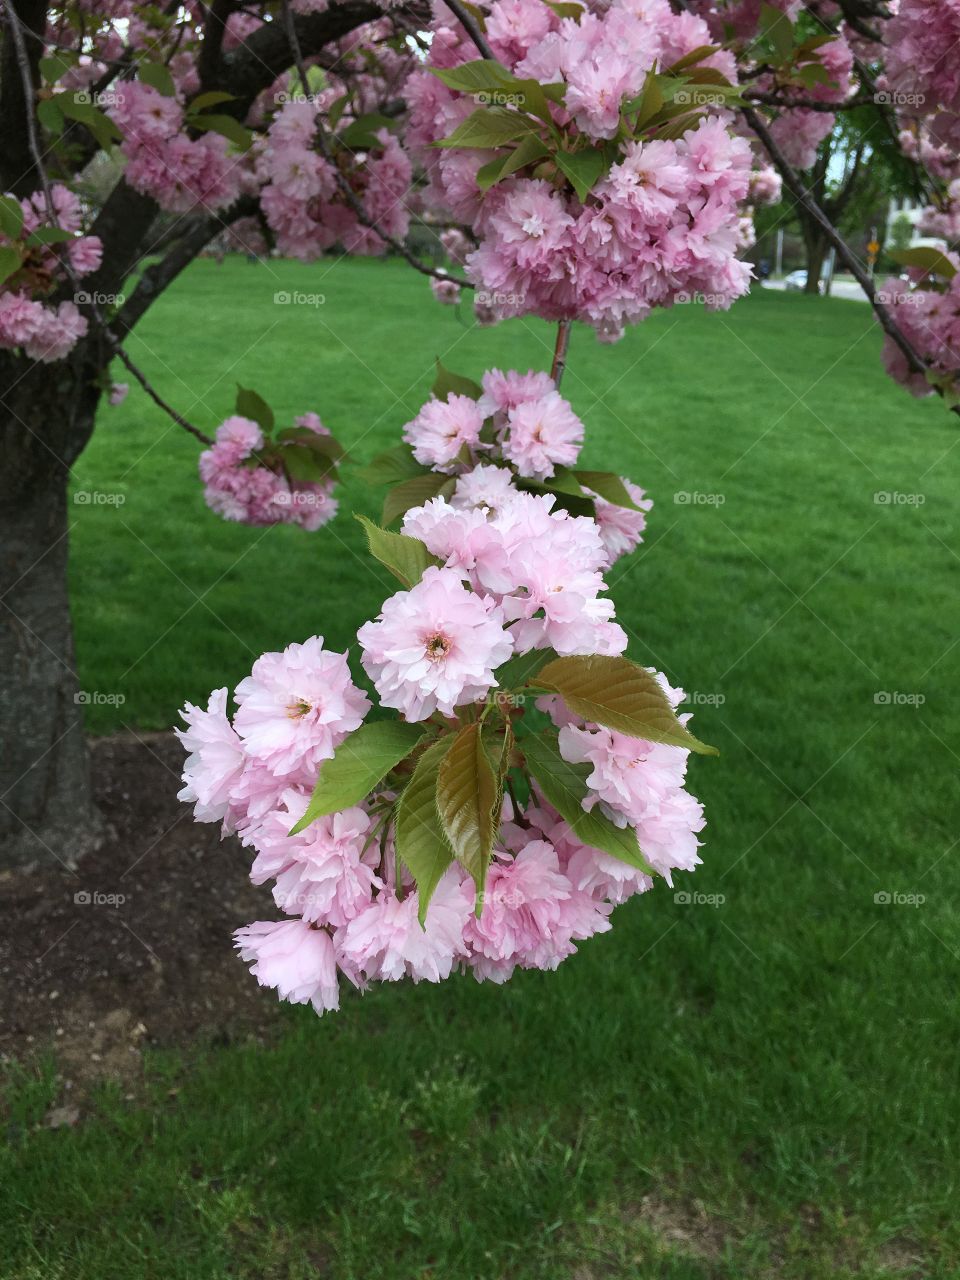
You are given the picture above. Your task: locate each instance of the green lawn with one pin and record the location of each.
(761, 1088)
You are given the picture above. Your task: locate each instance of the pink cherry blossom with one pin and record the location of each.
(294, 958)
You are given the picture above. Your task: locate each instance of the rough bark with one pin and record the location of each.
(46, 810)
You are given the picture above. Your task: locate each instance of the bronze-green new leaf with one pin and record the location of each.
(421, 843)
(467, 794)
(621, 695)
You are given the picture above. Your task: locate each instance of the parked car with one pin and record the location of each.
(796, 282)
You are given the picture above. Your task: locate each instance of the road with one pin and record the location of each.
(841, 289)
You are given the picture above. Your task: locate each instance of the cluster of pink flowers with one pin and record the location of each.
(921, 72)
(177, 171)
(46, 331)
(246, 483)
(799, 131)
(519, 427)
(663, 220)
(350, 909)
(302, 200)
(929, 318)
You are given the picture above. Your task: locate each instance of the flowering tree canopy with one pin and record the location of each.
(585, 162)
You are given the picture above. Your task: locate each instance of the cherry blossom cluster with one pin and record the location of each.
(799, 131)
(163, 162)
(343, 881)
(928, 313)
(921, 73)
(302, 197)
(519, 428)
(660, 216)
(251, 481)
(41, 254)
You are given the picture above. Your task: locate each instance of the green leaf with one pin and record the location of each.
(251, 405)
(929, 260)
(488, 128)
(361, 134)
(406, 558)
(467, 800)
(565, 481)
(158, 77)
(621, 695)
(49, 235)
(564, 9)
(448, 383)
(479, 76)
(302, 464)
(565, 787)
(414, 493)
(11, 217)
(609, 486)
(778, 29)
(50, 115)
(227, 127)
(54, 67)
(324, 445)
(650, 101)
(215, 98)
(583, 168)
(522, 669)
(421, 843)
(10, 261)
(359, 764)
(395, 464)
(528, 151)
(690, 59)
(75, 106)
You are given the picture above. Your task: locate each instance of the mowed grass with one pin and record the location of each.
(759, 1082)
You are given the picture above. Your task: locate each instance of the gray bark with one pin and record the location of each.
(46, 807)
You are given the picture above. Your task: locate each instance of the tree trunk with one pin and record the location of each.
(816, 247)
(46, 806)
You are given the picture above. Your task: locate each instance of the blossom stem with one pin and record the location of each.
(560, 351)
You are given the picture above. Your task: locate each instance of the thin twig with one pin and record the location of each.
(348, 192)
(844, 252)
(560, 351)
(471, 26)
(23, 62)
